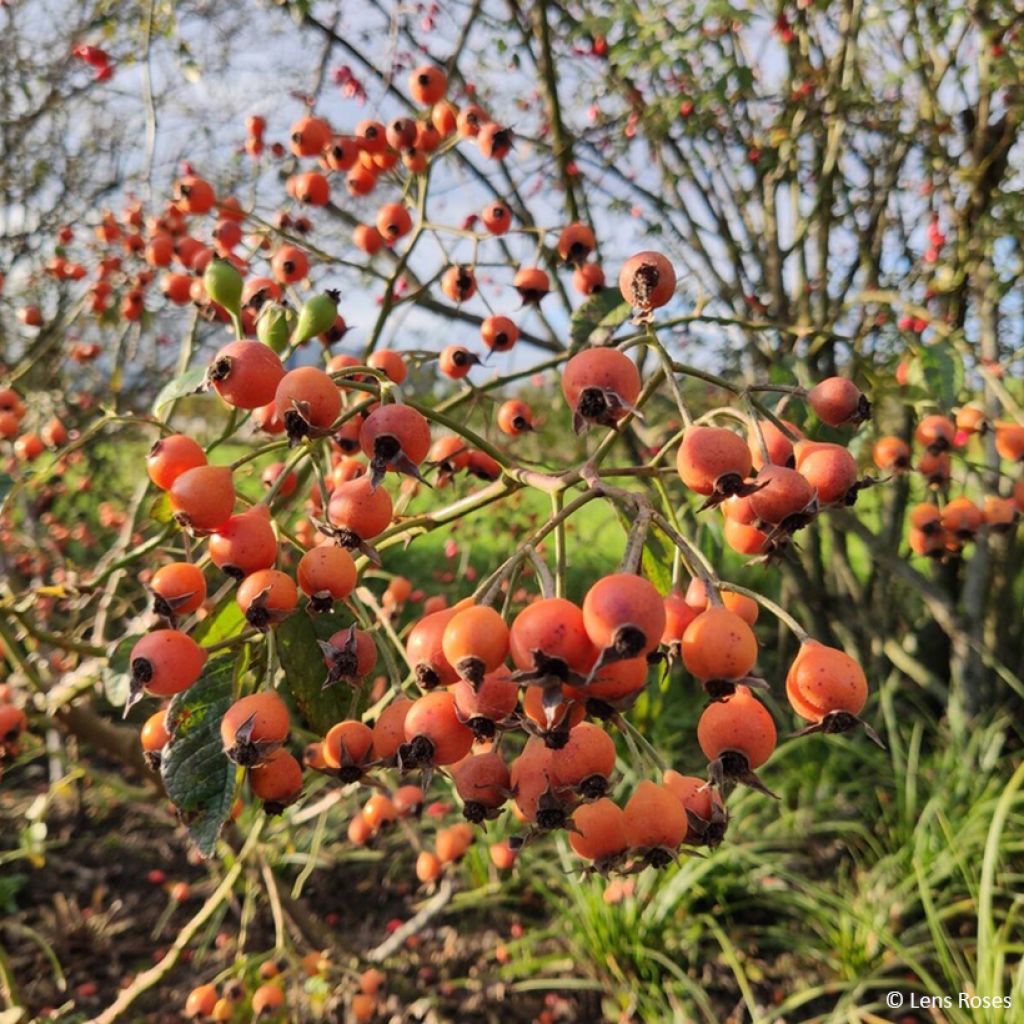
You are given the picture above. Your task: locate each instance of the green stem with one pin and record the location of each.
(557, 504)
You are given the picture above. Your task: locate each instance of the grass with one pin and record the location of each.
(874, 873)
(490, 536)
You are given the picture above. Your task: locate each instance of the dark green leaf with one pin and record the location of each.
(939, 371)
(199, 778)
(188, 383)
(595, 321)
(305, 671)
(10, 885)
(110, 317)
(744, 78)
(781, 371)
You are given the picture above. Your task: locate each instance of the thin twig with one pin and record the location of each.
(416, 923)
(147, 979)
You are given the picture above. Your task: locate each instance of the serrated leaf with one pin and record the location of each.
(939, 371)
(188, 383)
(198, 777)
(305, 671)
(597, 318)
(160, 510)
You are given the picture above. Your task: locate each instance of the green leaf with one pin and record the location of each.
(781, 371)
(10, 886)
(160, 510)
(188, 383)
(227, 621)
(595, 321)
(198, 777)
(305, 671)
(657, 560)
(939, 371)
(656, 557)
(116, 673)
(110, 317)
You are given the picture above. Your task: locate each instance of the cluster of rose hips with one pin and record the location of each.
(268, 998)
(795, 478)
(563, 674)
(518, 713)
(28, 445)
(941, 533)
(568, 662)
(205, 1003)
(136, 248)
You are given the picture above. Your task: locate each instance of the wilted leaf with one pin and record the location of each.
(198, 777)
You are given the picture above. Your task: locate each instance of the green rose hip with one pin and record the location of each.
(316, 316)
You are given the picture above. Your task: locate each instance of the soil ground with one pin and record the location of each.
(93, 909)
